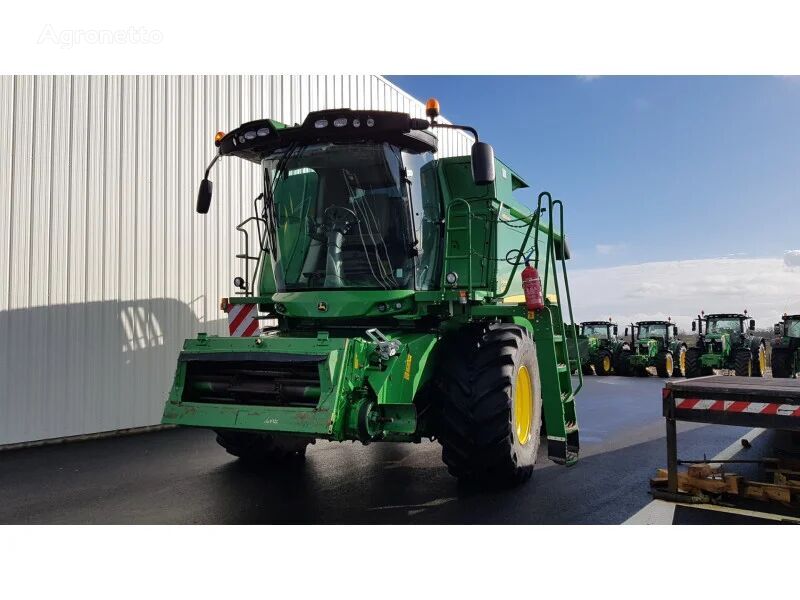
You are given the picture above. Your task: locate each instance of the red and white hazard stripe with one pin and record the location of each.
(242, 320)
(761, 408)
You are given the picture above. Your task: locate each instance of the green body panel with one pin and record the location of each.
(349, 376)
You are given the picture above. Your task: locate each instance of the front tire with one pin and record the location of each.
(781, 363)
(760, 361)
(665, 364)
(743, 363)
(680, 363)
(693, 365)
(491, 405)
(604, 364)
(623, 366)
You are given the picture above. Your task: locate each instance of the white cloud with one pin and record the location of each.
(792, 258)
(606, 249)
(766, 287)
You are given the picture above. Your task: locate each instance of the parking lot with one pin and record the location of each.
(182, 476)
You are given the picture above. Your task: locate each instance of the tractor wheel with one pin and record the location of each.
(781, 363)
(604, 364)
(680, 363)
(664, 364)
(262, 449)
(693, 366)
(490, 413)
(760, 361)
(623, 366)
(743, 363)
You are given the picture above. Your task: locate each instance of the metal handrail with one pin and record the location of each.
(248, 291)
(468, 255)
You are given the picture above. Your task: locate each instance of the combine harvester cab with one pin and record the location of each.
(726, 341)
(399, 304)
(653, 344)
(786, 347)
(600, 347)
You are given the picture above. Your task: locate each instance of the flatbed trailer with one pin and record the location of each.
(725, 400)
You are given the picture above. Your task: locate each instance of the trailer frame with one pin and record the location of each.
(725, 400)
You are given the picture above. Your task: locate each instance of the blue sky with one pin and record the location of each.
(649, 168)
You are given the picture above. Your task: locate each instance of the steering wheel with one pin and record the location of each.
(339, 218)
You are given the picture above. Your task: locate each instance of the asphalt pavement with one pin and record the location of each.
(183, 476)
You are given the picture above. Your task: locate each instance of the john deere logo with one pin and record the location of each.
(322, 307)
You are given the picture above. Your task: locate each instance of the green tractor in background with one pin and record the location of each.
(653, 344)
(600, 346)
(786, 347)
(726, 341)
(391, 279)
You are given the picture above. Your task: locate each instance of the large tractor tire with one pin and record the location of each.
(665, 364)
(263, 449)
(782, 363)
(743, 363)
(760, 360)
(490, 411)
(680, 363)
(693, 365)
(605, 363)
(623, 365)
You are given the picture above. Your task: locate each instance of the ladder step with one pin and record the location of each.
(567, 397)
(558, 338)
(562, 368)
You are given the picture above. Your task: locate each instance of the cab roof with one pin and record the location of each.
(726, 316)
(252, 140)
(597, 323)
(654, 323)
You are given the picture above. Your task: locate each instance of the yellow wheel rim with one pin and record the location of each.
(606, 364)
(669, 365)
(683, 361)
(523, 405)
(762, 358)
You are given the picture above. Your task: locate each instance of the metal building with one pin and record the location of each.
(104, 266)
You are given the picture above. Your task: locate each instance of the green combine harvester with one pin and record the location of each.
(653, 344)
(384, 302)
(600, 347)
(726, 341)
(786, 347)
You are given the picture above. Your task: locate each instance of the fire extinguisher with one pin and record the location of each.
(532, 288)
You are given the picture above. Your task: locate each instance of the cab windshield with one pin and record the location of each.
(726, 325)
(599, 331)
(344, 218)
(793, 328)
(647, 331)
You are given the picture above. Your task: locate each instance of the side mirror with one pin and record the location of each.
(675, 330)
(482, 163)
(694, 325)
(777, 330)
(626, 332)
(616, 330)
(752, 324)
(204, 196)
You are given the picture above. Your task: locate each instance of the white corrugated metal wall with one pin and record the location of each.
(104, 266)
